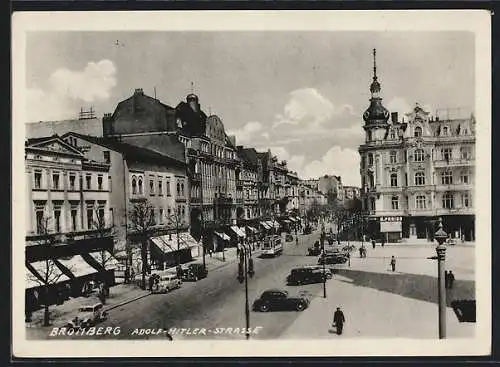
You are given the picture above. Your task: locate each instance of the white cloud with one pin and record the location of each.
(399, 105)
(253, 132)
(66, 89)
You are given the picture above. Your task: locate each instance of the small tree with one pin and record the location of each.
(49, 271)
(177, 222)
(142, 221)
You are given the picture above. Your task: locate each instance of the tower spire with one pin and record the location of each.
(192, 87)
(374, 64)
(375, 86)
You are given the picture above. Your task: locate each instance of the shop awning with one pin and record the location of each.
(222, 236)
(31, 280)
(104, 257)
(265, 225)
(168, 242)
(77, 266)
(252, 229)
(293, 219)
(273, 224)
(286, 221)
(238, 231)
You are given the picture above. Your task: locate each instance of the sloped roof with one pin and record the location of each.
(129, 150)
(195, 121)
(249, 156)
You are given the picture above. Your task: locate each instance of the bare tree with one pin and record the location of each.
(49, 272)
(142, 222)
(105, 256)
(177, 222)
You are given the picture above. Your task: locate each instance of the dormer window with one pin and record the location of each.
(417, 132)
(392, 134)
(445, 132)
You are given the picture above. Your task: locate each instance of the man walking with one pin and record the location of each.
(393, 263)
(373, 243)
(338, 320)
(451, 279)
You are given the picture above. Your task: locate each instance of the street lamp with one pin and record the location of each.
(440, 237)
(245, 269)
(323, 259)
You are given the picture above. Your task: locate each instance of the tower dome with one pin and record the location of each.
(376, 113)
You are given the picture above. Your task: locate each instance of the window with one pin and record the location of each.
(420, 178)
(419, 155)
(39, 221)
(74, 213)
(55, 181)
(107, 157)
(395, 203)
(446, 178)
(140, 186)
(446, 154)
(153, 218)
(72, 179)
(445, 131)
(151, 187)
(160, 187)
(182, 188)
(168, 188)
(448, 200)
(88, 179)
(90, 217)
(38, 179)
(57, 219)
(161, 215)
(169, 212)
(394, 180)
(393, 157)
(465, 153)
(183, 210)
(178, 189)
(466, 200)
(393, 134)
(99, 182)
(464, 177)
(420, 202)
(418, 132)
(134, 186)
(370, 159)
(100, 217)
(110, 187)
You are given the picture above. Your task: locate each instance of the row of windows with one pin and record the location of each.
(160, 216)
(446, 178)
(447, 201)
(156, 188)
(73, 182)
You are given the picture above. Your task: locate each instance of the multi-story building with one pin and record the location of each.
(68, 217)
(209, 153)
(250, 178)
(351, 192)
(292, 191)
(140, 175)
(87, 123)
(310, 198)
(415, 171)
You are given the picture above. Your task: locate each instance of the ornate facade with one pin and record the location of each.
(416, 170)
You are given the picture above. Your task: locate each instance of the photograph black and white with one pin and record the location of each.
(303, 180)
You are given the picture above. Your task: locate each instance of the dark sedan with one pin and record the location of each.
(279, 300)
(313, 251)
(333, 259)
(194, 272)
(306, 275)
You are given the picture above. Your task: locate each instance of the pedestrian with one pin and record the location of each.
(361, 252)
(382, 242)
(451, 279)
(373, 243)
(151, 282)
(127, 276)
(210, 252)
(338, 320)
(393, 263)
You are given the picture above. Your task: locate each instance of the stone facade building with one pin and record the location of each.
(416, 170)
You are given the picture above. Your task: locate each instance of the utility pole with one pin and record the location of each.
(246, 269)
(202, 218)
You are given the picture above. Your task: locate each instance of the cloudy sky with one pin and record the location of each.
(301, 94)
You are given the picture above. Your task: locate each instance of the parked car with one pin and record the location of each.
(194, 272)
(328, 272)
(88, 316)
(166, 283)
(304, 275)
(288, 238)
(278, 300)
(332, 259)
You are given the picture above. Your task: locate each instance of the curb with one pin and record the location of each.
(126, 302)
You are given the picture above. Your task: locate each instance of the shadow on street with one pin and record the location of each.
(416, 286)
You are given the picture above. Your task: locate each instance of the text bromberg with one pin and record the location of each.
(91, 331)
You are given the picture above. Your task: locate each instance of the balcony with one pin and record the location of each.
(223, 201)
(458, 162)
(454, 187)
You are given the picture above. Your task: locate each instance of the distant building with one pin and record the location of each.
(89, 126)
(415, 171)
(351, 192)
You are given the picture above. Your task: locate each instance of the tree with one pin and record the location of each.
(102, 231)
(340, 216)
(142, 222)
(49, 273)
(177, 221)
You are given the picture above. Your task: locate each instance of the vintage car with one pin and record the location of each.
(332, 259)
(166, 283)
(88, 316)
(288, 238)
(299, 276)
(328, 272)
(194, 272)
(313, 251)
(279, 300)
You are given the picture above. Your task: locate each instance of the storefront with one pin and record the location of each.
(221, 241)
(391, 228)
(169, 250)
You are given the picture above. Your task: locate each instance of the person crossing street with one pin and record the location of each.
(338, 320)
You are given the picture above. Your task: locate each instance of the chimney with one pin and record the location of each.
(394, 117)
(107, 124)
(138, 91)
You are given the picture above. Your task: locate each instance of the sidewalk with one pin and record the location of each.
(372, 313)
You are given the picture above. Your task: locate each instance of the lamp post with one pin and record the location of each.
(323, 258)
(245, 269)
(441, 236)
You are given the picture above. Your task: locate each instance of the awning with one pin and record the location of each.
(51, 272)
(286, 221)
(168, 242)
(273, 224)
(32, 281)
(265, 225)
(222, 236)
(252, 229)
(293, 219)
(238, 231)
(77, 266)
(104, 257)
